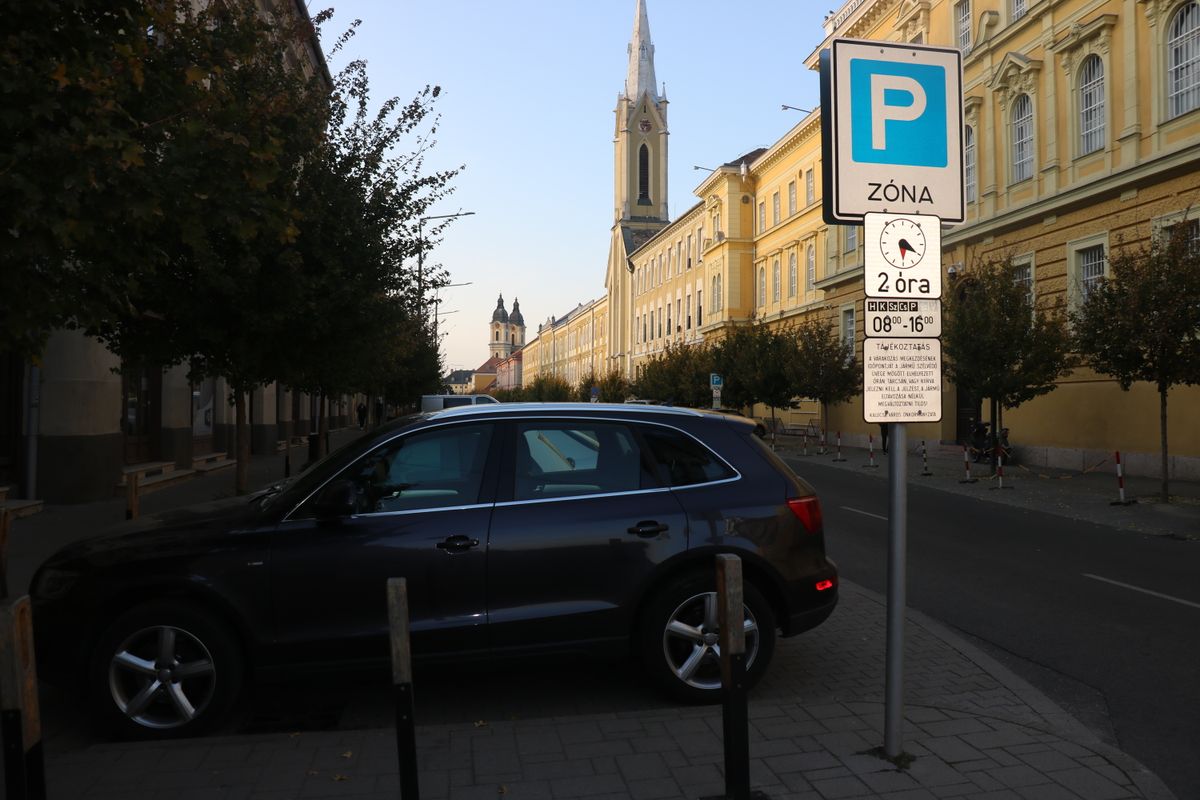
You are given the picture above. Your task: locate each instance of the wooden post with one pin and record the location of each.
(735, 718)
(131, 495)
(406, 731)
(20, 721)
(5, 529)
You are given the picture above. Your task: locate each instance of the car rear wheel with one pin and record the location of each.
(680, 639)
(165, 670)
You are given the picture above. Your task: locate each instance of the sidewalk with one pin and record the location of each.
(1084, 495)
(974, 729)
(571, 730)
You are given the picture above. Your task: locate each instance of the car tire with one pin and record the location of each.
(678, 638)
(164, 670)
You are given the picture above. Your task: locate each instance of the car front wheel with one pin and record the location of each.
(165, 670)
(680, 639)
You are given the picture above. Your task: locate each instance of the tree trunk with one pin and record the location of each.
(1162, 426)
(995, 430)
(324, 426)
(241, 441)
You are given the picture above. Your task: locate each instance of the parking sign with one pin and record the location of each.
(894, 137)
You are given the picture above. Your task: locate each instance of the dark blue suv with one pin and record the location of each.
(521, 529)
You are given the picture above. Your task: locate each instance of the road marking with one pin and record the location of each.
(865, 513)
(1143, 591)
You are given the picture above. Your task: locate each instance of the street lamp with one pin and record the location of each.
(706, 169)
(785, 107)
(421, 250)
(436, 301)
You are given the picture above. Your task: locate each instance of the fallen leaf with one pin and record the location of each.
(314, 772)
(340, 778)
(480, 723)
(348, 754)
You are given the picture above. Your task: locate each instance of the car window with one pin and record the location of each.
(436, 468)
(568, 458)
(684, 459)
(486, 398)
(454, 402)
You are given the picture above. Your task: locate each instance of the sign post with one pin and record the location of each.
(892, 145)
(716, 381)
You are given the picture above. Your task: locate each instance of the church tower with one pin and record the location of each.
(498, 343)
(641, 133)
(639, 182)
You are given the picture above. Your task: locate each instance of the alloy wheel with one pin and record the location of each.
(691, 641)
(162, 677)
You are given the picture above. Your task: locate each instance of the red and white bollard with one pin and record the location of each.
(805, 442)
(967, 467)
(1121, 501)
(1000, 470)
(870, 453)
(824, 442)
(925, 460)
(839, 447)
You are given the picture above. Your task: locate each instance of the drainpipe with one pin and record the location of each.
(33, 404)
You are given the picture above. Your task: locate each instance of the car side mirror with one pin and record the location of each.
(336, 500)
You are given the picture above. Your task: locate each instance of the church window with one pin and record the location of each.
(644, 174)
(496, 336)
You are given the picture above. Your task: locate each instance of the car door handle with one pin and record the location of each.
(648, 528)
(457, 544)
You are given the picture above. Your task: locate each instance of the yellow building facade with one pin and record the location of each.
(1082, 135)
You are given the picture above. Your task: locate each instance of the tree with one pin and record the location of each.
(614, 388)
(821, 367)
(1000, 344)
(548, 389)
(1142, 323)
(79, 193)
(756, 364)
(679, 375)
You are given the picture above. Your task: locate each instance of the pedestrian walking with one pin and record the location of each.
(362, 416)
(883, 434)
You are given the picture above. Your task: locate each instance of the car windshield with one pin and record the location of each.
(289, 493)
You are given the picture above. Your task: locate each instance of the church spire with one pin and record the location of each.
(640, 77)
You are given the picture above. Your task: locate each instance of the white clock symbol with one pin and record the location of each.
(902, 243)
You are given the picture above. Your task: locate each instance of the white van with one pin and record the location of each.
(436, 402)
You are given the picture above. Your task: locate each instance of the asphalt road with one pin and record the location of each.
(1104, 622)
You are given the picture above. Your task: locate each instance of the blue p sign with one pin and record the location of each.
(898, 113)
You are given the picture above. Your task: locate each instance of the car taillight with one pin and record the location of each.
(823, 585)
(808, 511)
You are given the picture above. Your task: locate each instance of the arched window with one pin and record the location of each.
(644, 174)
(969, 162)
(762, 286)
(1091, 105)
(792, 277)
(1022, 138)
(1183, 60)
(496, 336)
(775, 281)
(811, 266)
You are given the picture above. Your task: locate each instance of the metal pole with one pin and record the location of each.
(893, 744)
(402, 682)
(735, 713)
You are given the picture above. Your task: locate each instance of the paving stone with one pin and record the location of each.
(836, 788)
(642, 766)
(1047, 791)
(1087, 783)
(588, 785)
(653, 788)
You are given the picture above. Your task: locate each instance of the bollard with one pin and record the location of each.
(925, 473)
(838, 457)
(967, 465)
(999, 471)
(735, 715)
(824, 441)
(1121, 501)
(5, 529)
(131, 495)
(20, 720)
(870, 453)
(406, 729)
(806, 443)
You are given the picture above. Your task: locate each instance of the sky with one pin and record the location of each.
(528, 92)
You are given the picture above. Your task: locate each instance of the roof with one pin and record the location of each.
(489, 366)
